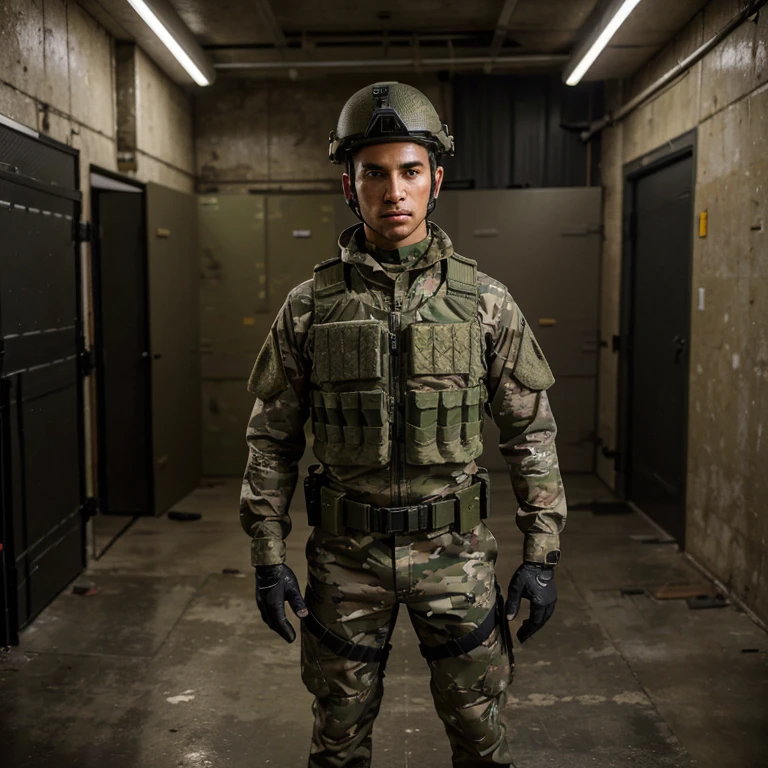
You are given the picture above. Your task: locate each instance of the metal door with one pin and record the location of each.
(174, 326)
(235, 317)
(122, 344)
(301, 232)
(41, 405)
(659, 272)
(544, 245)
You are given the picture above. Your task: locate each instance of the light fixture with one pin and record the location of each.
(619, 17)
(157, 26)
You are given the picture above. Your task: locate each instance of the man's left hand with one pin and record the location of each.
(534, 582)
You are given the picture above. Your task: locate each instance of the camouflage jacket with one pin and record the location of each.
(276, 437)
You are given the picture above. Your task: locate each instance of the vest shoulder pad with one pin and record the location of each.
(329, 277)
(461, 277)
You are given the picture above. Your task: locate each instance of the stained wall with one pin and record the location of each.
(273, 134)
(725, 97)
(57, 76)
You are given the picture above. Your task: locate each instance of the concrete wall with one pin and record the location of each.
(57, 76)
(725, 96)
(273, 134)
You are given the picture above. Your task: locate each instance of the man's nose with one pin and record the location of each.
(395, 190)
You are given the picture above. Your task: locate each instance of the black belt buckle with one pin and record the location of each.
(406, 519)
(397, 519)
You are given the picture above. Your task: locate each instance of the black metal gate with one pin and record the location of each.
(42, 485)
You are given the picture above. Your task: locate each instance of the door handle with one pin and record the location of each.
(679, 344)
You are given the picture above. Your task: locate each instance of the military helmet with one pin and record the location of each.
(388, 111)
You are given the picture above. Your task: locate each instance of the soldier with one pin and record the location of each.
(395, 349)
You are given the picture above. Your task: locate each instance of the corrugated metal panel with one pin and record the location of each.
(509, 132)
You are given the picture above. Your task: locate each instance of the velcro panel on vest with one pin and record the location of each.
(347, 351)
(531, 368)
(461, 277)
(268, 377)
(440, 348)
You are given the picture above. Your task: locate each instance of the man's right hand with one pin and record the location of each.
(276, 584)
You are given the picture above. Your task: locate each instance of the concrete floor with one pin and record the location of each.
(168, 663)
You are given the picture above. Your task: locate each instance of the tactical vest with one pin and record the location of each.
(390, 386)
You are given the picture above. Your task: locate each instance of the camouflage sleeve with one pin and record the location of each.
(275, 433)
(518, 377)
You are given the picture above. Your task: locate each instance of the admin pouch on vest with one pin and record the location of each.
(367, 362)
(335, 512)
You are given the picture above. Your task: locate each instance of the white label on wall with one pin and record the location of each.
(701, 299)
(302, 233)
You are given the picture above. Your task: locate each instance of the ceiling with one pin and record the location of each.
(302, 36)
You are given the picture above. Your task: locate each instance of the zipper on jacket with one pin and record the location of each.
(395, 427)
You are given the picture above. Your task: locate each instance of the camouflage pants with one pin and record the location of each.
(446, 580)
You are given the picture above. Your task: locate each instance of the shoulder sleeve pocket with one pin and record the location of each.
(268, 377)
(531, 368)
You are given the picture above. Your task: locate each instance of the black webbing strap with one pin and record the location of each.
(342, 647)
(458, 646)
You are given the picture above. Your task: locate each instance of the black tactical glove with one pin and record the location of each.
(534, 582)
(274, 585)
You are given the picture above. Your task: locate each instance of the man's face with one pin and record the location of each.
(393, 182)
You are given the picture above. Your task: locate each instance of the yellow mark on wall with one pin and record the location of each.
(162, 232)
(547, 321)
(248, 321)
(703, 224)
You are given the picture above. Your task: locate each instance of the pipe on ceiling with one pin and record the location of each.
(680, 68)
(462, 61)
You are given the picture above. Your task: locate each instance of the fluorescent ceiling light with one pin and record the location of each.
(169, 41)
(589, 57)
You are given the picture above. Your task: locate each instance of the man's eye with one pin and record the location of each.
(412, 172)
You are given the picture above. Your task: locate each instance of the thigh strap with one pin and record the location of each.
(458, 646)
(342, 647)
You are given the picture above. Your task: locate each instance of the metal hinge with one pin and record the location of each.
(90, 507)
(86, 232)
(87, 361)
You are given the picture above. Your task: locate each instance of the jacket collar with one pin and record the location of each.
(440, 248)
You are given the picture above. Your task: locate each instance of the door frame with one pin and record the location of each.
(677, 149)
(98, 340)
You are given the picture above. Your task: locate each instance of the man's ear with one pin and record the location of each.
(439, 171)
(346, 185)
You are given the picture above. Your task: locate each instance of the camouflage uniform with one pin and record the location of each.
(356, 579)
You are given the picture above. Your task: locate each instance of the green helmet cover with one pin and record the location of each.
(384, 112)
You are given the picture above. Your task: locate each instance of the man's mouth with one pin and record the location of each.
(396, 215)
